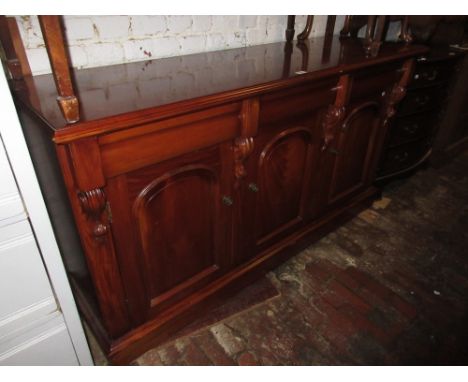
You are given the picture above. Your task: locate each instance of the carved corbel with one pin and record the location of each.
(94, 203)
(398, 92)
(243, 147)
(396, 95)
(336, 112)
(332, 119)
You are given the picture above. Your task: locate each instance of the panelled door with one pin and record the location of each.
(353, 150)
(170, 228)
(274, 193)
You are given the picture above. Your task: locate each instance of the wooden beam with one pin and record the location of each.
(55, 44)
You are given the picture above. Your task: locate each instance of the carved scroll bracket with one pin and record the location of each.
(336, 112)
(396, 95)
(94, 203)
(332, 119)
(398, 92)
(243, 147)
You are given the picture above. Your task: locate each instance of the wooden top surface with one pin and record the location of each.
(118, 96)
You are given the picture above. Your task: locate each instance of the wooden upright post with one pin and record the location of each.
(58, 56)
(405, 35)
(12, 61)
(330, 28)
(308, 28)
(290, 28)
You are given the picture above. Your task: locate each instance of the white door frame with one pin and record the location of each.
(20, 161)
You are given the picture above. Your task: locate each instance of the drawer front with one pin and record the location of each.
(421, 100)
(144, 145)
(371, 82)
(403, 157)
(410, 128)
(300, 101)
(431, 73)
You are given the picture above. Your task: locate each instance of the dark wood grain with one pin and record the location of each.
(154, 89)
(100, 256)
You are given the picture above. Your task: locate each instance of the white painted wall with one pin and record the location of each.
(106, 40)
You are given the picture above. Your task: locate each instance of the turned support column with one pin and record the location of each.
(53, 36)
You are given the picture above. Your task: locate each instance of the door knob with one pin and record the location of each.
(253, 187)
(227, 201)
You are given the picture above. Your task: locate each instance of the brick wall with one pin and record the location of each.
(105, 40)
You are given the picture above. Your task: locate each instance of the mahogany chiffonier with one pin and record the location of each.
(186, 178)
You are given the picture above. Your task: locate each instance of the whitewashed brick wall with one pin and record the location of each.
(105, 40)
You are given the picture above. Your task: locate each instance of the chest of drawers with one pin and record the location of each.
(410, 138)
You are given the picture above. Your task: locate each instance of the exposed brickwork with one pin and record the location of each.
(388, 288)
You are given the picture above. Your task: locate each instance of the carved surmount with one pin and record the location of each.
(243, 147)
(332, 119)
(93, 203)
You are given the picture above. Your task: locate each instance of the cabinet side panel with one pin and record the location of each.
(46, 165)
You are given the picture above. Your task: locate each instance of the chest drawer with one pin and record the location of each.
(431, 73)
(412, 127)
(140, 146)
(297, 102)
(404, 156)
(417, 100)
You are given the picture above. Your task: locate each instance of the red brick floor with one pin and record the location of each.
(388, 288)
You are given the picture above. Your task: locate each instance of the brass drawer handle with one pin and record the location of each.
(401, 157)
(227, 201)
(422, 100)
(411, 129)
(432, 76)
(253, 187)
